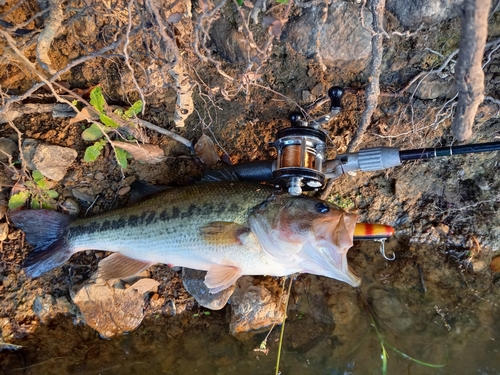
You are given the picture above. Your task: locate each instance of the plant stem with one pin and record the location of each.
(283, 328)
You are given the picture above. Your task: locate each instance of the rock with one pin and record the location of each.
(83, 195)
(108, 310)
(7, 149)
(229, 42)
(255, 308)
(146, 285)
(71, 207)
(434, 87)
(194, 282)
(413, 13)
(29, 147)
(343, 40)
(53, 161)
(390, 309)
(47, 307)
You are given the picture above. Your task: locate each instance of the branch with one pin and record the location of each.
(469, 73)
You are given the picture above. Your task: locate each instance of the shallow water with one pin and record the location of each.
(451, 318)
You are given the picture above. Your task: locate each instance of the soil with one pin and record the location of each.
(441, 289)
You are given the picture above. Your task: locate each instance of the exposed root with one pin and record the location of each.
(372, 90)
(469, 72)
(52, 26)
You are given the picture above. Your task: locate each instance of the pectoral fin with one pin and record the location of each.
(118, 266)
(224, 233)
(221, 277)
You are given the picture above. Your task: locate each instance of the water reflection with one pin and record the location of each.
(330, 330)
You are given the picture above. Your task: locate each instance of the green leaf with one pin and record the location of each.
(74, 102)
(134, 110)
(37, 176)
(93, 152)
(92, 133)
(121, 157)
(118, 111)
(52, 194)
(42, 184)
(97, 99)
(282, 1)
(47, 206)
(19, 199)
(108, 121)
(36, 204)
(240, 2)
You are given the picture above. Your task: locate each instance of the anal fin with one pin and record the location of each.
(220, 277)
(118, 266)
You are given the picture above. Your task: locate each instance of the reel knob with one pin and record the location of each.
(335, 94)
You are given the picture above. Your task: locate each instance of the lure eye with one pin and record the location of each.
(322, 208)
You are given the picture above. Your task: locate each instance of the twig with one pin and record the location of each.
(373, 89)
(99, 53)
(283, 328)
(469, 73)
(127, 59)
(168, 133)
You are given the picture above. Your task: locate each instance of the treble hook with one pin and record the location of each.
(382, 249)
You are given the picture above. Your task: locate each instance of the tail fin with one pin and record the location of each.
(47, 231)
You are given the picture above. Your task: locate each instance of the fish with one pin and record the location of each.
(227, 229)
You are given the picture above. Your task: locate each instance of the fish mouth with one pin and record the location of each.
(333, 238)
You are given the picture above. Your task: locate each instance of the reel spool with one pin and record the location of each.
(301, 150)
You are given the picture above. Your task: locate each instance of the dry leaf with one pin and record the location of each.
(495, 264)
(146, 286)
(206, 5)
(146, 153)
(174, 17)
(268, 20)
(85, 114)
(275, 29)
(205, 150)
(4, 231)
(248, 4)
(250, 77)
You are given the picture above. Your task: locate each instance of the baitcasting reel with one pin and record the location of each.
(301, 149)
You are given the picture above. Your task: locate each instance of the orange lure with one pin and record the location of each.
(364, 231)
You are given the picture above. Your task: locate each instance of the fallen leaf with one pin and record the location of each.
(205, 150)
(146, 286)
(174, 17)
(206, 5)
(147, 153)
(4, 231)
(87, 113)
(275, 29)
(495, 264)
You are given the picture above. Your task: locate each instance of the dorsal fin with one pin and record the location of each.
(140, 190)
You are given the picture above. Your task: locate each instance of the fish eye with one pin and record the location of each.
(322, 208)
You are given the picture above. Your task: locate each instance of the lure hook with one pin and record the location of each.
(382, 249)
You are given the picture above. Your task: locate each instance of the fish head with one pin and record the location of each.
(306, 232)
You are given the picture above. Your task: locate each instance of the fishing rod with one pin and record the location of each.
(301, 165)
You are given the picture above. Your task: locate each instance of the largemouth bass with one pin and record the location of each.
(227, 229)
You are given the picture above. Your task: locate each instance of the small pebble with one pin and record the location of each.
(71, 206)
(124, 190)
